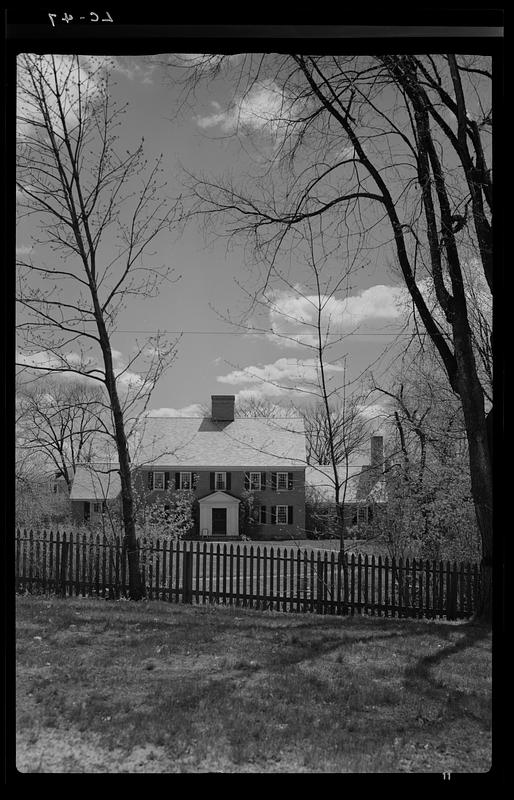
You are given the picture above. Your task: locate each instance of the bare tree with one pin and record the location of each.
(62, 420)
(97, 212)
(384, 152)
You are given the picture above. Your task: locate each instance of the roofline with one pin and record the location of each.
(236, 419)
(218, 467)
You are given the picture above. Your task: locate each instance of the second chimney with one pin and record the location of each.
(377, 454)
(223, 407)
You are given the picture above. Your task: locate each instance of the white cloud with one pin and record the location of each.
(284, 375)
(23, 250)
(294, 313)
(132, 70)
(46, 361)
(265, 108)
(64, 75)
(193, 410)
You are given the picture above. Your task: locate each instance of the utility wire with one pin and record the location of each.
(267, 333)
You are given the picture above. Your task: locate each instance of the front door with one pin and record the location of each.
(219, 521)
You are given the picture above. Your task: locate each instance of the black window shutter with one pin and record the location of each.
(263, 481)
(290, 515)
(274, 481)
(273, 515)
(247, 482)
(150, 480)
(86, 509)
(177, 480)
(263, 515)
(166, 480)
(211, 479)
(104, 507)
(229, 481)
(289, 480)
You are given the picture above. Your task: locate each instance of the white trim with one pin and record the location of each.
(219, 500)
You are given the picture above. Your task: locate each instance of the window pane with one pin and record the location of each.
(220, 480)
(158, 480)
(282, 515)
(282, 480)
(255, 480)
(185, 480)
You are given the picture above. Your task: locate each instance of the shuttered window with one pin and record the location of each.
(282, 482)
(185, 480)
(158, 480)
(281, 515)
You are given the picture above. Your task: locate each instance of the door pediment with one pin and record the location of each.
(219, 497)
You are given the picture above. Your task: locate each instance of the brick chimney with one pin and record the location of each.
(370, 473)
(223, 407)
(377, 455)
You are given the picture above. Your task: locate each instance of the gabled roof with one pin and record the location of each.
(321, 480)
(98, 481)
(201, 442)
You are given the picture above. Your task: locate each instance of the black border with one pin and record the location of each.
(459, 30)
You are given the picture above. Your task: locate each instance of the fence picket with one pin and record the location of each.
(277, 581)
(237, 599)
(249, 599)
(379, 581)
(289, 572)
(258, 579)
(352, 585)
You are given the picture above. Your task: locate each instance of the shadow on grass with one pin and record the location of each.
(419, 678)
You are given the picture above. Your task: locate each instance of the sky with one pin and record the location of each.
(213, 356)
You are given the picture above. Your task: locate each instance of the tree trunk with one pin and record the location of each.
(478, 428)
(136, 589)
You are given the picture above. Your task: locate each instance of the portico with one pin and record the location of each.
(219, 515)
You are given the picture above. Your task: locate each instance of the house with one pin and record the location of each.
(94, 485)
(59, 484)
(362, 489)
(247, 475)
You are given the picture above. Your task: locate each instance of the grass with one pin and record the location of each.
(154, 687)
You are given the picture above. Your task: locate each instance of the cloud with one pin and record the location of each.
(284, 375)
(23, 250)
(67, 78)
(44, 361)
(133, 71)
(294, 314)
(264, 108)
(193, 410)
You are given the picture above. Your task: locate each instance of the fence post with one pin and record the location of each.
(319, 587)
(451, 590)
(187, 576)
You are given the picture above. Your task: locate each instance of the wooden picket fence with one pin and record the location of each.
(275, 578)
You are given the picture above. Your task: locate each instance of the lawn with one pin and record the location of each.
(118, 687)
